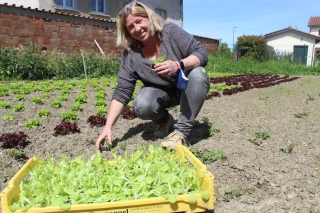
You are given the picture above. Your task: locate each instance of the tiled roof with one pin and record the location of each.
(293, 30)
(205, 37)
(57, 12)
(314, 21)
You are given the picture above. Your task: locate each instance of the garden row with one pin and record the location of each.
(239, 83)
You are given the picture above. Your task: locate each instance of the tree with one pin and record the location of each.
(253, 46)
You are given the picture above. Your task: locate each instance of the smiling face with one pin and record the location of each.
(138, 27)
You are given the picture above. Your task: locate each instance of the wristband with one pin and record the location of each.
(176, 64)
(181, 64)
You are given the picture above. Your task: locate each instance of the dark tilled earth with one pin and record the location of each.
(254, 178)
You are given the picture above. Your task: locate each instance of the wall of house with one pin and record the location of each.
(173, 8)
(210, 44)
(62, 32)
(28, 3)
(56, 32)
(315, 31)
(285, 42)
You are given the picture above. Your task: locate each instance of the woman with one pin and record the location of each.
(144, 36)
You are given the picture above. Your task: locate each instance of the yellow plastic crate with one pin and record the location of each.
(151, 205)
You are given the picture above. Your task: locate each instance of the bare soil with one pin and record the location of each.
(254, 178)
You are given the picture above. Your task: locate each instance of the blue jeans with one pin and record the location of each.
(151, 103)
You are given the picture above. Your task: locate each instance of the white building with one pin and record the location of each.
(304, 46)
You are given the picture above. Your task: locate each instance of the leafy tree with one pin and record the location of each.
(254, 46)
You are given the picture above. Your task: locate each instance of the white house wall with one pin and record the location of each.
(285, 42)
(173, 9)
(25, 3)
(315, 31)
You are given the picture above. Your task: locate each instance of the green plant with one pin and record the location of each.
(8, 117)
(19, 98)
(310, 98)
(81, 98)
(69, 116)
(100, 103)
(210, 126)
(102, 111)
(5, 105)
(209, 156)
(33, 123)
(76, 107)
(62, 98)
(301, 115)
(56, 104)
(36, 100)
(44, 113)
(16, 153)
(18, 108)
(256, 138)
(45, 96)
(165, 177)
(287, 147)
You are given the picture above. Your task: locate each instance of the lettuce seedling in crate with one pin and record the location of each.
(66, 127)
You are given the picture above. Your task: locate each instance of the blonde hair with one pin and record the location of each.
(138, 9)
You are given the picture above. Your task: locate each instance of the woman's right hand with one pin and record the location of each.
(106, 134)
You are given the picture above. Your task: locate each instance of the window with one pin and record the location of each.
(161, 13)
(69, 4)
(99, 6)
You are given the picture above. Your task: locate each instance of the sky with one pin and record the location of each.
(218, 18)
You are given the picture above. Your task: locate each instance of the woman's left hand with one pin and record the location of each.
(166, 68)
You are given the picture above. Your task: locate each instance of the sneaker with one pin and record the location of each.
(173, 139)
(164, 129)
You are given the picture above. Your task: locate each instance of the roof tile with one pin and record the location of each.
(314, 21)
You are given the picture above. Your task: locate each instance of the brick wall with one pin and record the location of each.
(64, 32)
(210, 44)
(56, 31)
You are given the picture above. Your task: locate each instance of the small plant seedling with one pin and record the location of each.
(16, 153)
(123, 146)
(76, 107)
(100, 102)
(44, 113)
(19, 98)
(287, 147)
(62, 98)
(209, 156)
(36, 100)
(81, 98)
(18, 108)
(30, 124)
(69, 116)
(310, 98)
(257, 137)
(45, 96)
(301, 115)
(102, 111)
(8, 117)
(210, 126)
(5, 105)
(56, 104)
(160, 59)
